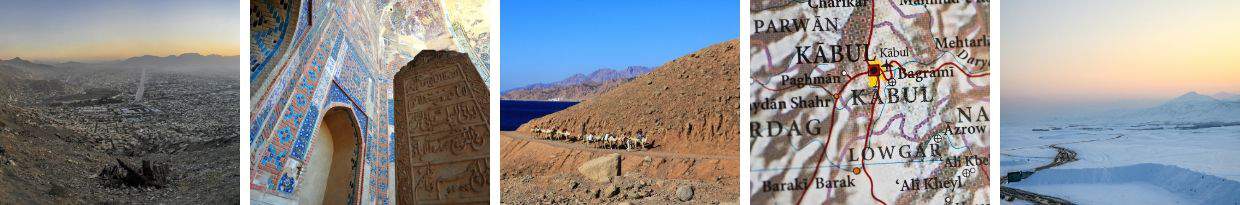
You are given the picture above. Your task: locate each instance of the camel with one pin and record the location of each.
(549, 133)
(611, 141)
(589, 137)
(641, 140)
(628, 144)
(605, 139)
(537, 131)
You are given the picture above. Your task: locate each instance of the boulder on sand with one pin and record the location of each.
(601, 169)
(684, 193)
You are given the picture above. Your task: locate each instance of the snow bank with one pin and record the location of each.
(1188, 184)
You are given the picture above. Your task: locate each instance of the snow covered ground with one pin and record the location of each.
(1135, 167)
(1116, 193)
(1157, 161)
(1214, 151)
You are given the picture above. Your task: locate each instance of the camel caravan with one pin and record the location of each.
(628, 141)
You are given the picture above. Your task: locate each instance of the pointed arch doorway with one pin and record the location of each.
(332, 170)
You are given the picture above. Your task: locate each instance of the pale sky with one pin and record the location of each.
(88, 30)
(1074, 55)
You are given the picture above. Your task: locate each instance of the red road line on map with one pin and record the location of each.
(823, 153)
(873, 104)
(870, 124)
(898, 64)
(953, 64)
(985, 171)
(868, 129)
(829, 130)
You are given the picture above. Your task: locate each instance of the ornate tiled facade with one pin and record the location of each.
(311, 56)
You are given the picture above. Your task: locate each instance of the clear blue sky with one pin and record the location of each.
(88, 30)
(545, 41)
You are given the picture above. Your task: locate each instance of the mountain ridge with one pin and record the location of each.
(1191, 107)
(688, 105)
(1226, 96)
(576, 87)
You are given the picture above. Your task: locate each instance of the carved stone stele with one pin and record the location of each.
(441, 106)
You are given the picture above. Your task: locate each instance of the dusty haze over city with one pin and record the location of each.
(93, 31)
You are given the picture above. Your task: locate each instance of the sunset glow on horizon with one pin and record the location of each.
(88, 31)
(1074, 54)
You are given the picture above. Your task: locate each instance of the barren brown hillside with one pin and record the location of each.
(689, 105)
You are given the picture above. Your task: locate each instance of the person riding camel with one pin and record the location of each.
(606, 138)
(562, 135)
(551, 134)
(611, 142)
(625, 141)
(641, 140)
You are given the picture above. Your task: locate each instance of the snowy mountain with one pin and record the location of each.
(1187, 108)
(1226, 96)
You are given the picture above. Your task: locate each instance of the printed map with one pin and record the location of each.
(870, 102)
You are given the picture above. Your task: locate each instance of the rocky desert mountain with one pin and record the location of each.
(689, 105)
(577, 87)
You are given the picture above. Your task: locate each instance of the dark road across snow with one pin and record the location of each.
(1062, 156)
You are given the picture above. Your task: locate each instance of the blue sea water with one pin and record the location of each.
(514, 113)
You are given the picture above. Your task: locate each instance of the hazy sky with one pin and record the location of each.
(88, 30)
(1073, 55)
(544, 41)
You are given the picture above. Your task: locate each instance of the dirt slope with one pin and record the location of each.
(689, 105)
(542, 171)
(545, 157)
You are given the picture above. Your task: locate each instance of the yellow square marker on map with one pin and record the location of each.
(875, 71)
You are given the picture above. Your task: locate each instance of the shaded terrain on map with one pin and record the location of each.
(891, 98)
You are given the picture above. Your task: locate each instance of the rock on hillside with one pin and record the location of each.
(689, 105)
